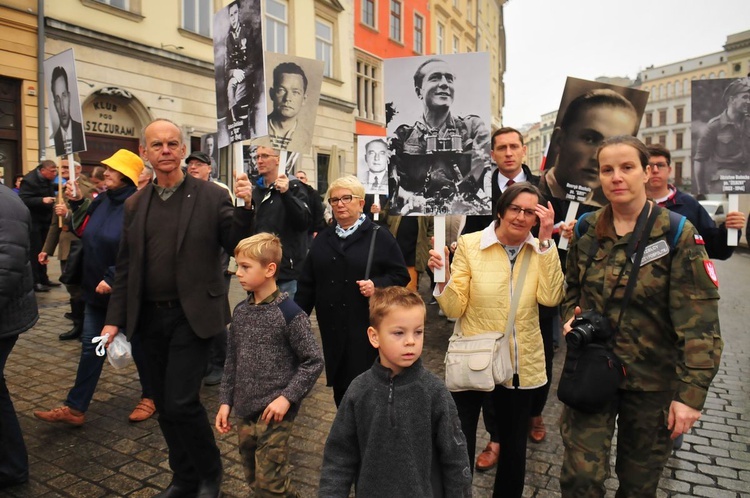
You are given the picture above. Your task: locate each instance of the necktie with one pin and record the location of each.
(510, 182)
(375, 182)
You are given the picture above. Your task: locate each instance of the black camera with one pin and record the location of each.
(589, 327)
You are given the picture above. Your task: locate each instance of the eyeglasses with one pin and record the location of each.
(266, 156)
(658, 165)
(517, 210)
(344, 199)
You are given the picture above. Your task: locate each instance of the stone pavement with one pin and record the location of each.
(108, 456)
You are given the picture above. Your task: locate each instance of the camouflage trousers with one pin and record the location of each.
(643, 446)
(264, 452)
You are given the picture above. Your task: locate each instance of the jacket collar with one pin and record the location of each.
(407, 376)
(489, 238)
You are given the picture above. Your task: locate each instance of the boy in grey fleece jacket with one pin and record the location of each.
(397, 432)
(272, 363)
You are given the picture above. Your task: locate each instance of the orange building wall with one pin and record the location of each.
(378, 42)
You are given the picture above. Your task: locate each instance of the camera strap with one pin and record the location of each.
(639, 241)
(644, 225)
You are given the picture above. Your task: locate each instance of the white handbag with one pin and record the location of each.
(478, 362)
(482, 361)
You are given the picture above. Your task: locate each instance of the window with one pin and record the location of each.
(678, 141)
(418, 33)
(323, 161)
(678, 173)
(324, 46)
(197, 16)
(648, 141)
(685, 87)
(649, 120)
(663, 140)
(368, 12)
(395, 32)
(440, 39)
(679, 115)
(120, 4)
(277, 25)
(662, 117)
(456, 44)
(368, 97)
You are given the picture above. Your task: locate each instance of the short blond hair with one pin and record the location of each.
(349, 182)
(265, 248)
(386, 299)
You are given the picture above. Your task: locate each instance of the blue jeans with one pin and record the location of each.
(90, 365)
(14, 461)
(288, 286)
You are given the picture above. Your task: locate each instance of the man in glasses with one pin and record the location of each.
(667, 195)
(282, 207)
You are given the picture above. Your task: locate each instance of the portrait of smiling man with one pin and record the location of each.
(440, 156)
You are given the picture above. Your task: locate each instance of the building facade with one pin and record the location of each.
(19, 88)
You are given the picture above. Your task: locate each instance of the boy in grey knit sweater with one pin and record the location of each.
(272, 363)
(396, 432)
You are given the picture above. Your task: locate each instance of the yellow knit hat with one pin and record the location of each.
(127, 163)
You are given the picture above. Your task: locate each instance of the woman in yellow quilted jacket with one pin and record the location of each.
(479, 289)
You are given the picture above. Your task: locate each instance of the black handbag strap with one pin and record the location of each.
(370, 254)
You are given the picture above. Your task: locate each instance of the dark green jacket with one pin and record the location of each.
(669, 337)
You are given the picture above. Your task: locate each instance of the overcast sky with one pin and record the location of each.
(549, 40)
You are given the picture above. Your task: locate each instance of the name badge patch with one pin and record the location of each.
(654, 251)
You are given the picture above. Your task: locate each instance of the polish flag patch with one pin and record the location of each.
(699, 240)
(711, 271)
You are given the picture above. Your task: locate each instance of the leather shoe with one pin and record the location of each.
(214, 377)
(62, 414)
(177, 490)
(50, 283)
(487, 459)
(73, 333)
(537, 430)
(143, 410)
(210, 489)
(41, 288)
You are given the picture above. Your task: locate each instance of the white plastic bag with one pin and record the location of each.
(119, 352)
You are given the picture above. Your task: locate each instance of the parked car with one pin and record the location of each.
(716, 209)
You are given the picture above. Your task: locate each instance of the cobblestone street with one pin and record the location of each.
(108, 456)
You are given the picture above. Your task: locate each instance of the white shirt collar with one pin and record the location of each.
(502, 180)
(489, 238)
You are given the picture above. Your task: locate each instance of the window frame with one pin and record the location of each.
(399, 17)
(374, 13)
(418, 33)
(329, 67)
(271, 20)
(198, 17)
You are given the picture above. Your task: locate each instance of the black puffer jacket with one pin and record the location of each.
(18, 309)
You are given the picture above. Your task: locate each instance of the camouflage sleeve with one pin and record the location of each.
(694, 310)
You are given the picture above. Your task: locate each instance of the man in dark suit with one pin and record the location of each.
(69, 134)
(38, 193)
(169, 288)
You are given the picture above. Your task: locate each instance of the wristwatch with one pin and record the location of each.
(545, 244)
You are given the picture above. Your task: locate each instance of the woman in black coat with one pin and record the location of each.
(333, 281)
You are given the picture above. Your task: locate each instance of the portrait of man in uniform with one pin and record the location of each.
(440, 154)
(62, 92)
(238, 62)
(590, 112)
(721, 153)
(372, 167)
(208, 145)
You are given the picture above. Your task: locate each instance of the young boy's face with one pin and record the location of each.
(399, 338)
(252, 274)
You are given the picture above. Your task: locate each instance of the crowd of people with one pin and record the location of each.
(155, 269)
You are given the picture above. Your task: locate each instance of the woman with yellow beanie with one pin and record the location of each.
(99, 224)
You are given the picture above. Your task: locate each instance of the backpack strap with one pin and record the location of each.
(676, 224)
(582, 225)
